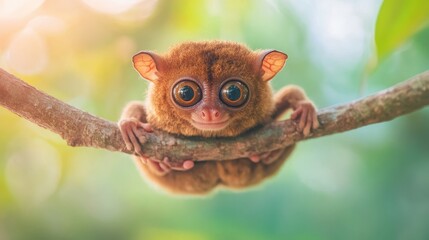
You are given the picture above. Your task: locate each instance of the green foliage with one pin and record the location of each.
(397, 22)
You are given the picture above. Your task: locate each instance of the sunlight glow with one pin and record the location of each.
(111, 6)
(337, 30)
(12, 9)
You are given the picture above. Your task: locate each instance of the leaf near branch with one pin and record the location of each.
(397, 22)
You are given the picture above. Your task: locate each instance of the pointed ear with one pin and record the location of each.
(269, 63)
(149, 65)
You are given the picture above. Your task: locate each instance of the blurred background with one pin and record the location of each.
(370, 183)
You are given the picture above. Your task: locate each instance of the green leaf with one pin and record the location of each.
(399, 20)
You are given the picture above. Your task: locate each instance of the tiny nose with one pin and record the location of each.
(210, 114)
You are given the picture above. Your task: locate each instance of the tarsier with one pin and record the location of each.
(211, 89)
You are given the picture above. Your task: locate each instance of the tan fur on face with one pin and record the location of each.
(210, 64)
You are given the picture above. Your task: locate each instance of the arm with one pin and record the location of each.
(136, 110)
(133, 125)
(290, 97)
(293, 97)
(242, 172)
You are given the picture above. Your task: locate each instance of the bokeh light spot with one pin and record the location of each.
(32, 172)
(47, 24)
(27, 52)
(332, 174)
(111, 6)
(13, 9)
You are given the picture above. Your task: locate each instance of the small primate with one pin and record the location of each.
(211, 89)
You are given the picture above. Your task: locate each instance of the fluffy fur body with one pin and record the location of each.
(211, 64)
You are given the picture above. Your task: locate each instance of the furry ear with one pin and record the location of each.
(149, 65)
(269, 63)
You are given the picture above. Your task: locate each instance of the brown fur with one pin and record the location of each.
(211, 63)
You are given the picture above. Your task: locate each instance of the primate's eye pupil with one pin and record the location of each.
(233, 93)
(186, 93)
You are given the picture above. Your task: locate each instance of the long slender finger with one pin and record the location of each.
(164, 167)
(308, 124)
(315, 121)
(186, 165)
(164, 164)
(155, 168)
(133, 139)
(173, 165)
(296, 113)
(303, 119)
(140, 134)
(146, 126)
(136, 131)
(126, 139)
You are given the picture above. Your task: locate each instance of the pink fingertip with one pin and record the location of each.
(164, 167)
(147, 127)
(296, 113)
(188, 164)
(254, 158)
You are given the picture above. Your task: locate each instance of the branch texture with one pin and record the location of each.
(79, 128)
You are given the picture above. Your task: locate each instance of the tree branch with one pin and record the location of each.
(79, 128)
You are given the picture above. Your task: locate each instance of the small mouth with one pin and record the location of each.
(210, 126)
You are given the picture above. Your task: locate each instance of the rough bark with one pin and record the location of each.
(79, 128)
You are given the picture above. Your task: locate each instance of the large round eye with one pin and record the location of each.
(234, 93)
(186, 93)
